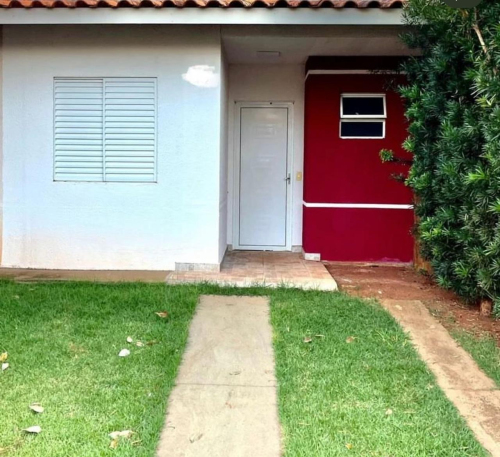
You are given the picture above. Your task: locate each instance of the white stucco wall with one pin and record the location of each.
(50, 224)
(266, 83)
(223, 178)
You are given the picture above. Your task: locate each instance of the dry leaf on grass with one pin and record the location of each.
(308, 339)
(124, 353)
(150, 343)
(121, 434)
(37, 408)
(5, 366)
(116, 436)
(388, 412)
(162, 314)
(33, 429)
(348, 446)
(129, 339)
(3, 356)
(350, 339)
(139, 344)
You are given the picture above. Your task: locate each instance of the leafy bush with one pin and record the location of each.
(453, 105)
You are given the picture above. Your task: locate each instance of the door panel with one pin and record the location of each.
(263, 173)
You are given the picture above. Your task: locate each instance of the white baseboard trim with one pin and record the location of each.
(180, 266)
(315, 257)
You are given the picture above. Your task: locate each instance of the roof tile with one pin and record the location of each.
(201, 3)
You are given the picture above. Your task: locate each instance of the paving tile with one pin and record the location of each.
(246, 268)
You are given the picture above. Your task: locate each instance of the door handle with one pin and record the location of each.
(288, 179)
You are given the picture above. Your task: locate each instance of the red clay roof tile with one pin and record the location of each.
(202, 3)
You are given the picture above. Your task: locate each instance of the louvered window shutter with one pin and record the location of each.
(116, 132)
(130, 129)
(78, 138)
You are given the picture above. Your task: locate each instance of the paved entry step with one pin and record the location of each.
(225, 401)
(267, 269)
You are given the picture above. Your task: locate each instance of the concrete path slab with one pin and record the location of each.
(474, 394)
(230, 344)
(225, 402)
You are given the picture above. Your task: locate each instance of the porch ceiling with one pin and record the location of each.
(244, 44)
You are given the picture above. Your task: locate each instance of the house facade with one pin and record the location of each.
(157, 135)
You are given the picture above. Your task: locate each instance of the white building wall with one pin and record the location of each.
(223, 196)
(85, 225)
(265, 83)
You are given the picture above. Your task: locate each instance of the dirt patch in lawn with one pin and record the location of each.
(404, 283)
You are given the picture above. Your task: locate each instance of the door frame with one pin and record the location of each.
(237, 171)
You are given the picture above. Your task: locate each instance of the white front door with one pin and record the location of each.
(263, 177)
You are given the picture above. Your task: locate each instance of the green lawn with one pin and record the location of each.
(359, 389)
(63, 342)
(367, 397)
(484, 350)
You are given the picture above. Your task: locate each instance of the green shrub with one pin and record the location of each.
(453, 106)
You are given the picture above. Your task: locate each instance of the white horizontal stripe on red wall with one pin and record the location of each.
(357, 205)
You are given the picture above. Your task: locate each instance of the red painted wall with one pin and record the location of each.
(350, 171)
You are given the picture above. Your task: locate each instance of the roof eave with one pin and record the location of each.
(192, 16)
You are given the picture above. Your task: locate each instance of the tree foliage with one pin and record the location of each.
(453, 107)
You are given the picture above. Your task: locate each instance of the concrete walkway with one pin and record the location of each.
(225, 402)
(475, 395)
(32, 274)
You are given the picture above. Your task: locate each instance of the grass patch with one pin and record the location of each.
(369, 397)
(483, 349)
(63, 341)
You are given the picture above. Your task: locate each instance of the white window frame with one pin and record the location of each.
(362, 117)
(104, 180)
